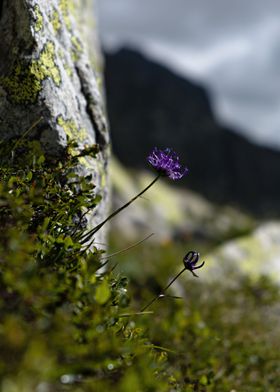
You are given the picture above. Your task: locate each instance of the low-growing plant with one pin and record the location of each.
(61, 318)
(66, 324)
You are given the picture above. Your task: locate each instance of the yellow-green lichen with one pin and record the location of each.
(61, 54)
(21, 86)
(67, 7)
(77, 44)
(66, 66)
(244, 255)
(87, 162)
(68, 70)
(55, 21)
(71, 129)
(39, 18)
(45, 66)
(25, 81)
(77, 48)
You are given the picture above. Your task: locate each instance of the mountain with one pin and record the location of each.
(149, 106)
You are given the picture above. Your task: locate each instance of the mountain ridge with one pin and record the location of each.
(149, 105)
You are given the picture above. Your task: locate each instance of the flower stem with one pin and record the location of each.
(88, 235)
(163, 291)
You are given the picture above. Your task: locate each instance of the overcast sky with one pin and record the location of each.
(232, 46)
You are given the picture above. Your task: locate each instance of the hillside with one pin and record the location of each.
(149, 105)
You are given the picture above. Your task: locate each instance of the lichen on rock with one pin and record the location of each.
(71, 129)
(45, 72)
(38, 18)
(24, 82)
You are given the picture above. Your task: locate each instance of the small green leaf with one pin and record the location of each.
(29, 176)
(92, 279)
(203, 380)
(41, 160)
(102, 293)
(68, 242)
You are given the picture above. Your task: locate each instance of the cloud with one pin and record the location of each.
(232, 46)
(187, 21)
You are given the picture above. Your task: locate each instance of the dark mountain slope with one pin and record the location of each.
(150, 106)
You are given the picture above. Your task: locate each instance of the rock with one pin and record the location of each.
(169, 212)
(254, 255)
(49, 91)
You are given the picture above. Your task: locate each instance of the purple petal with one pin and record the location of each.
(167, 163)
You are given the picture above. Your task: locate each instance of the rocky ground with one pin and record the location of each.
(233, 241)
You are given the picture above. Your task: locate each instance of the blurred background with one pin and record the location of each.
(231, 48)
(202, 78)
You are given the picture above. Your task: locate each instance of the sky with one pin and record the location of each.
(232, 47)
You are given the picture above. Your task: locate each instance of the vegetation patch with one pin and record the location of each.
(68, 325)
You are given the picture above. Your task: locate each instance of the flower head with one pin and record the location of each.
(190, 261)
(166, 162)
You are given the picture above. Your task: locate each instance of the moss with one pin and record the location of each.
(25, 81)
(39, 18)
(34, 149)
(71, 129)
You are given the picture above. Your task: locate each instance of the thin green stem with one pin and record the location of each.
(122, 250)
(163, 291)
(128, 248)
(88, 235)
(26, 133)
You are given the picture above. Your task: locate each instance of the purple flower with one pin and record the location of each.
(190, 261)
(166, 162)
